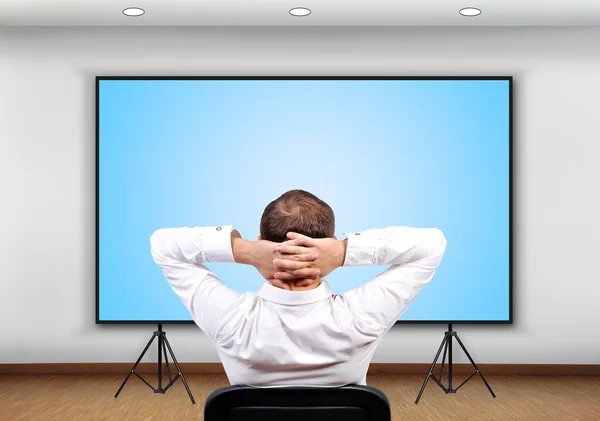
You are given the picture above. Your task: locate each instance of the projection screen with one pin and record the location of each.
(381, 151)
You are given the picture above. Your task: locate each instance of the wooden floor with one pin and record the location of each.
(48, 398)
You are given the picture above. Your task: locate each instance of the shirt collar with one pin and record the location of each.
(282, 296)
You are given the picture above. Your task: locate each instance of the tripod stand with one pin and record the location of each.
(163, 344)
(447, 346)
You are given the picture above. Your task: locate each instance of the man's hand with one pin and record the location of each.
(330, 254)
(261, 254)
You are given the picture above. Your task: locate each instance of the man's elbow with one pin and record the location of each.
(437, 245)
(157, 243)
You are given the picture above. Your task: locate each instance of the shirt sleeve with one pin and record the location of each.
(413, 253)
(180, 253)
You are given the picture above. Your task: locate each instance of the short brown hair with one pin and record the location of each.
(297, 211)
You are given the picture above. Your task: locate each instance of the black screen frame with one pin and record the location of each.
(398, 322)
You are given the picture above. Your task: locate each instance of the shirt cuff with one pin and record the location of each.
(361, 250)
(216, 242)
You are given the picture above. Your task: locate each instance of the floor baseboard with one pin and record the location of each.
(375, 368)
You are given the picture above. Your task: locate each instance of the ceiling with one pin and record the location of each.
(324, 12)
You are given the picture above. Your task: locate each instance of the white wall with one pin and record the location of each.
(47, 174)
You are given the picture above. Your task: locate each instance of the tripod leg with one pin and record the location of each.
(431, 368)
(475, 365)
(450, 362)
(442, 367)
(179, 371)
(136, 364)
(160, 373)
(168, 369)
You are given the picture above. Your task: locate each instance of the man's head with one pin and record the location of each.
(297, 211)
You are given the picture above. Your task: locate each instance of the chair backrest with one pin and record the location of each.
(347, 403)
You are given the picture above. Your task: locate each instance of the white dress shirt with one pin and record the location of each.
(276, 337)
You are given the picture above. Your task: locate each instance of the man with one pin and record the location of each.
(294, 330)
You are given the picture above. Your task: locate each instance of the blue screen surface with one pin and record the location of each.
(422, 153)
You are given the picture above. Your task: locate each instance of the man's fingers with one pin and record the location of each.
(308, 257)
(307, 241)
(306, 273)
(295, 242)
(290, 249)
(280, 283)
(293, 247)
(287, 265)
(297, 250)
(298, 273)
(284, 276)
(287, 276)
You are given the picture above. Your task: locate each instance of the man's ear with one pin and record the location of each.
(260, 238)
(334, 237)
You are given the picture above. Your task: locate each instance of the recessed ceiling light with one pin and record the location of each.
(470, 11)
(300, 11)
(133, 11)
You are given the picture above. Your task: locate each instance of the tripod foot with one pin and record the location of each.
(477, 371)
(430, 374)
(132, 371)
(187, 388)
(447, 343)
(162, 341)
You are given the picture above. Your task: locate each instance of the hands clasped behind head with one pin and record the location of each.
(295, 261)
(308, 258)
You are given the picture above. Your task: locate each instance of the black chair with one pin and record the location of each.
(347, 403)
